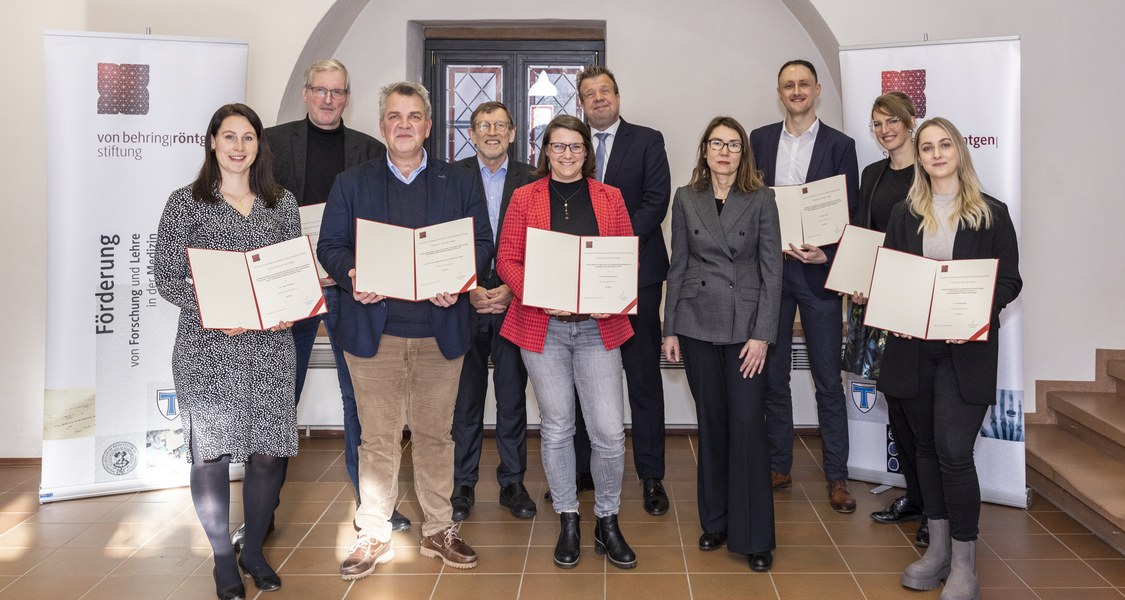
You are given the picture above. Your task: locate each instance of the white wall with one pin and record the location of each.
(678, 63)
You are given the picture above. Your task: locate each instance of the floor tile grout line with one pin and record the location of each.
(1064, 544)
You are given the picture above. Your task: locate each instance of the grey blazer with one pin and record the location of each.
(724, 282)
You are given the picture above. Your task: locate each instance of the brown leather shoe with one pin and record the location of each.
(780, 480)
(453, 550)
(366, 553)
(839, 496)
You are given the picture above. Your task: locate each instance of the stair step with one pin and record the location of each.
(1093, 477)
(1101, 412)
(1116, 369)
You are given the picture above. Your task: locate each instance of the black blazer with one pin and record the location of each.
(973, 362)
(519, 174)
(361, 192)
(833, 153)
(638, 166)
(289, 143)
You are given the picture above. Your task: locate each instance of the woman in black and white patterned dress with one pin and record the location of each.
(235, 387)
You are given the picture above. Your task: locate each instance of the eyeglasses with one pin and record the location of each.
(559, 148)
(717, 145)
(891, 122)
(320, 93)
(498, 126)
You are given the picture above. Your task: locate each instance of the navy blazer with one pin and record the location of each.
(833, 153)
(289, 143)
(519, 174)
(974, 363)
(638, 166)
(361, 192)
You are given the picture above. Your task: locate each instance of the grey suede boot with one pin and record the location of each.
(962, 581)
(927, 572)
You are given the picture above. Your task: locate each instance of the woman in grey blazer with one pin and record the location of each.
(721, 311)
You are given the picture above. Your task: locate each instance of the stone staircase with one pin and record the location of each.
(1076, 447)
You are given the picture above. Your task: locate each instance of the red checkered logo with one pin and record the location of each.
(912, 83)
(122, 89)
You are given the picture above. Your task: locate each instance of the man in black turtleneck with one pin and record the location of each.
(308, 154)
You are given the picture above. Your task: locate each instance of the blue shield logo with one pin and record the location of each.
(166, 404)
(863, 396)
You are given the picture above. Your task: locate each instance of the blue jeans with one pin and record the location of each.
(304, 334)
(574, 356)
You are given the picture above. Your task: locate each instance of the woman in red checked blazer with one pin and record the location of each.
(565, 352)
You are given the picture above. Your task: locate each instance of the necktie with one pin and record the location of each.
(599, 155)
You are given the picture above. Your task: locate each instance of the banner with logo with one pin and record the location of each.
(126, 124)
(976, 85)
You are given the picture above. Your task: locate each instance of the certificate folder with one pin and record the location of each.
(855, 261)
(931, 299)
(581, 274)
(812, 213)
(311, 215)
(256, 289)
(415, 264)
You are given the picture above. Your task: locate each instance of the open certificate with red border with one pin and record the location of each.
(581, 274)
(932, 299)
(812, 213)
(256, 289)
(415, 264)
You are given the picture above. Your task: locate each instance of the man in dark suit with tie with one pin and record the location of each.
(798, 150)
(632, 159)
(405, 357)
(492, 132)
(307, 156)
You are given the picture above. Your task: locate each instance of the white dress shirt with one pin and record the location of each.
(794, 153)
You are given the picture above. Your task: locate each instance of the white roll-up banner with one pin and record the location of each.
(126, 124)
(976, 85)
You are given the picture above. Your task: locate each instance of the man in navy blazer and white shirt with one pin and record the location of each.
(798, 150)
(404, 357)
(632, 159)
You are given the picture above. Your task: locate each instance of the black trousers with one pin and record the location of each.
(640, 357)
(509, 385)
(907, 450)
(733, 480)
(945, 430)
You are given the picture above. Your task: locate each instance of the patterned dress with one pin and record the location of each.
(235, 392)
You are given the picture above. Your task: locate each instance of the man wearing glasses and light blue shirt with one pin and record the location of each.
(307, 156)
(492, 133)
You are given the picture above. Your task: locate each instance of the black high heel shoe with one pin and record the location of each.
(235, 592)
(266, 583)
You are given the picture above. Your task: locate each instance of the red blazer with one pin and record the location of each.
(526, 326)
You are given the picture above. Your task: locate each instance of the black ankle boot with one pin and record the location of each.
(569, 546)
(609, 541)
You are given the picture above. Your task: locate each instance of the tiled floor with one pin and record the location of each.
(150, 545)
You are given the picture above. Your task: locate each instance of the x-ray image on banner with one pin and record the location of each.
(976, 85)
(126, 124)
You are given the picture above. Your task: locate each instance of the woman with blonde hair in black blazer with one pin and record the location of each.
(721, 311)
(946, 387)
